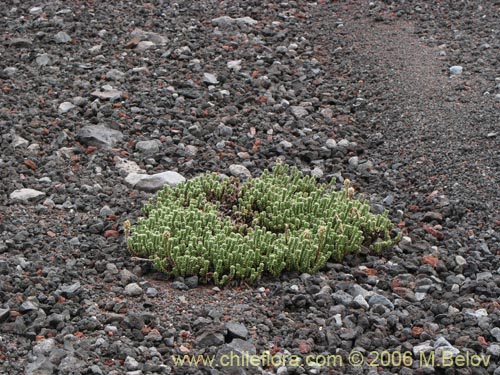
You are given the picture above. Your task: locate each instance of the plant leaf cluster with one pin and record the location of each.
(224, 230)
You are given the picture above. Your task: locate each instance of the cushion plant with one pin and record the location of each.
(223, 230)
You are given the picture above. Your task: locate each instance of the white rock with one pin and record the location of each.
(36, 10)
(286, 144)
(343, 143)
(128, 166)
(154, 182)
(131, 364)
(456, 69)
(62, 37)
(317, 172)
(210, 78)
(18, 141)
(247, 21)
(330, 144)
(107, 94)
(239, 170)
(65, 107)
(298, 111)
(115, 75)
(148, 147)
(144, 45)
(133, 289)
(26, 194)
(234, 65)
(361, 301)
(460, 260)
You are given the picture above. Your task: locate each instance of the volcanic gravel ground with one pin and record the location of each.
(97, 95)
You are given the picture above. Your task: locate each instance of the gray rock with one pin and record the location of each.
(44, 347)
(131, 364)
(494, 350)
(191, 282)
(107, 94)
(242, 346)
(240, 171)
(128, 277)
(21, 43)
(99, 136)
(343, 143)
(378, 299)
(62, 37)
(26, 195)
(223, 21)
(27, 306)
(41, 366)
(234, 65)
(247, 21)
(424, 347)
(133, 290)
(148, 147)
(36, 10)
(331, 144)
(357, 290)
(128, 166)
(18, 141)
(10, 71)
(317, 172)
(210, 78)
(43, 59)
(286, 145)
(388, 200)
(71, 365)
(66, 107)
(236, 330)
(151, 292)
(456, 69)
(144, 45)
(495, 332)
(154, 182)
(484, 276)
(354, 161)
(207, 339)
(342, 298)
(4, 314)
(115, 75)
(70, 290)
(432, 216)
(298, 111)
(360, 301)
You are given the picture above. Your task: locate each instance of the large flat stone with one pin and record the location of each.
(99, 136)
(154, 182)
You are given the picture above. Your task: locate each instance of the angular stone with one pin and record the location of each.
(239, 170)
(26, 194)
(99, 136)
(133, 290)
(65, 107)
(70, 290)
(110, 94)
(210, 78)
(298, 111)
(378, 299)
(236, 330)
(154, 182)
(144, 45)
(207, 339)
(62, 37)
(115, 75)
(148, 147)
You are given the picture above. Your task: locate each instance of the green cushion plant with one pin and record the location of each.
(224, 230)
